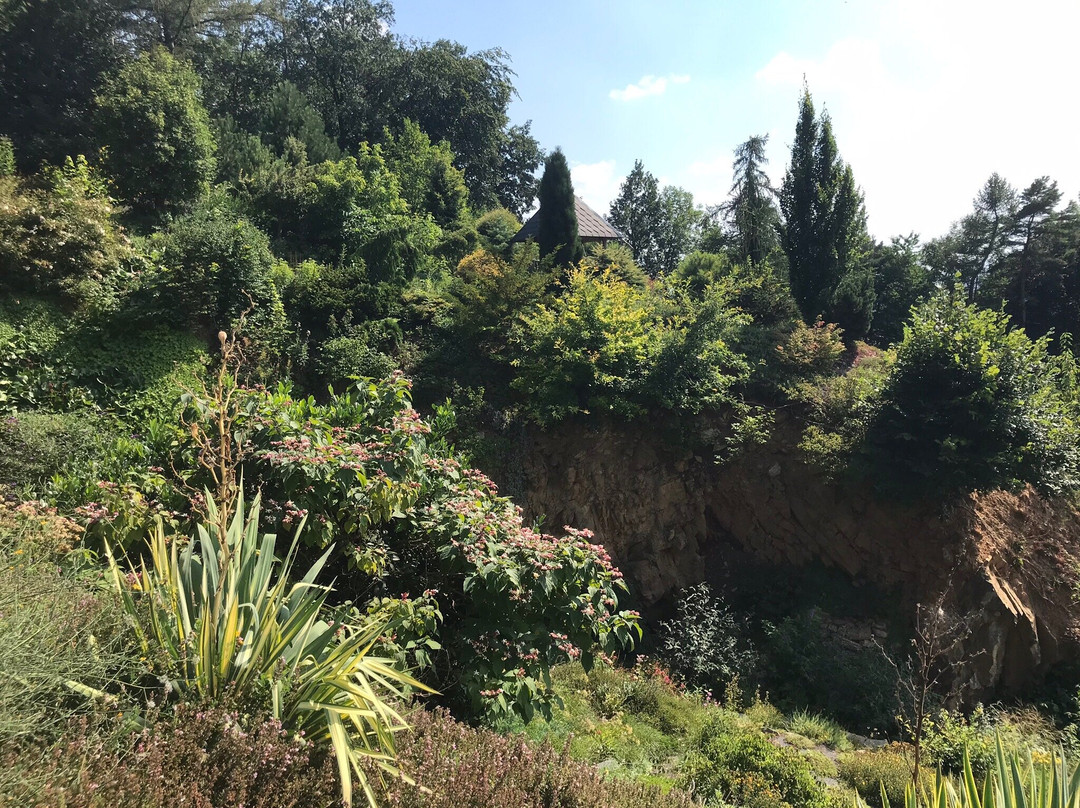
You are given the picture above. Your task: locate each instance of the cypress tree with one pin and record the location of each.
(824, 228)
(558, 231)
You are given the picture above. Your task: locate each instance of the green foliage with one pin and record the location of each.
(52, 56)
(7, 158)
(477, 768)
(406, 517)
(818, 729)
(159, 147)
(824, 227)
(699, 269)
(60, 240)
(751, 211)
(617, 259)
(36, 445)
(900, 281)
(217, 269)
(558, 233)
(231, 630)
(57, 633)
(638, 213)
(704, 643)
(346, 357)
(602, 345)
(637, 721)
(974, 405)
(740, 767)
(286, 114)
(429, 181)
(842, 406)
(873, 771)
(496, 228)
(1016, 779)
(808, 666)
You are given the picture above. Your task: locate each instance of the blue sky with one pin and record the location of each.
(927, 98)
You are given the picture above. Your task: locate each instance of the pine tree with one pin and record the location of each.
(751, 211)
(824, 228)
(558, 232)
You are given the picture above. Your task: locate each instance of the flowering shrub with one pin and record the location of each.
(508, 602)
(203, 756)
(476, 768)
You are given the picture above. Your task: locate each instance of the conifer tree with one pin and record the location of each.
(638, 213)
(558, 233)
(751, 211)
(824, 228)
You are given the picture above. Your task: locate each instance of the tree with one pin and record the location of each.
(341, 55)
(178, 25)
(751, 211)
(974, 405)
(977, 243)
(521, 156)
(638, 213)
(463, 98)
(159, 148)
(1037, 204)
(287, 113)
(558, 233)
(900, 281)
(678, 228)
(823, 230)
(52, 56)
(429, 181)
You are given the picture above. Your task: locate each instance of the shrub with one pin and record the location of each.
(344, 358)
(218, 268)
(807, 666)
(740, 767)
(948, 736)
(408, 518)
(819, 729)
(496, 228)
(476, 768)
(58, 637)
(60, 239)
(871, 771)
(603, 345)
(704, 644)
(198, 756)
(972, 404)
(159, 147)
(36, 445)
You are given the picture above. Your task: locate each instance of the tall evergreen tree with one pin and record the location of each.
(751, 211)
(558, 232)
(824, 228)
(638, 213)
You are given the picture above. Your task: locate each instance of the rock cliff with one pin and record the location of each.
(668, 512)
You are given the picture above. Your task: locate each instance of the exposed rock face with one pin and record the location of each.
(666, 513)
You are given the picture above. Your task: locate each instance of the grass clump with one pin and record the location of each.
(820, 729)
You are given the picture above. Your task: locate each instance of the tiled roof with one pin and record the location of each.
(591, 225)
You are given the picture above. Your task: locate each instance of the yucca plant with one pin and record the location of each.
(1015, 781)
(233, 625)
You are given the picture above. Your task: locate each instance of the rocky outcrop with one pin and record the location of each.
(667, 511)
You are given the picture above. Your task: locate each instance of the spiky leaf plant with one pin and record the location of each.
(232, 624)
(1015, 781)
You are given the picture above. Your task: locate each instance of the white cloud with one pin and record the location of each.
(649, 85)
(596, 183)
(934, 99)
